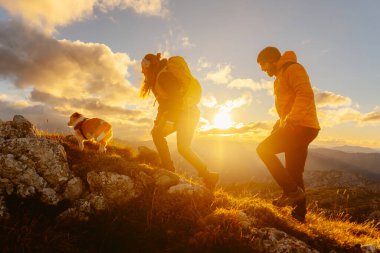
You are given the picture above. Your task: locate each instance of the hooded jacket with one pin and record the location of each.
(294, 96)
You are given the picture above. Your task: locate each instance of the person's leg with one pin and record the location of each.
(161, 144)
(295, 158)
(295, 162)
(276, 143)
(185, 130)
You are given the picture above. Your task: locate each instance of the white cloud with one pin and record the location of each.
(333, 117)
(251, 84)
(330, 99)
(208, 101)
(186, 42)
(229, 105)
(220, 76)
(202, 64)
(64, 68)
(49, 14)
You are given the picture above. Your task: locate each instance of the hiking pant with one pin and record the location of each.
(294, 143)
(185, 126)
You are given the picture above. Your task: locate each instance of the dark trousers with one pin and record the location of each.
(185, 126)
(294, 142)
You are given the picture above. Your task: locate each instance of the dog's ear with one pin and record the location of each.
(76, 115)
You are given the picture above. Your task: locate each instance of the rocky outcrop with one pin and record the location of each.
(19, 127)
(31, 165)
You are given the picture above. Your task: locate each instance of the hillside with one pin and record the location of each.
(121, 202)
(238, 161)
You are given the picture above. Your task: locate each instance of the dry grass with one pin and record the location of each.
(169, 223)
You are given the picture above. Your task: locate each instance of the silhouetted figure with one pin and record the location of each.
(177, 93)
(297, 127)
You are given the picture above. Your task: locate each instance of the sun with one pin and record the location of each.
(222, 120)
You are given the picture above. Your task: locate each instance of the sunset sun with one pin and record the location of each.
(222, 120)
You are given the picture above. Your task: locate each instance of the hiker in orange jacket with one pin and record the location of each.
(295, 129)
(177, 93)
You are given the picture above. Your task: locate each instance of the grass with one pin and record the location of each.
(170, 222)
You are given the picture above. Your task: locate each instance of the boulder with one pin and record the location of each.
(74, 189)
(273, 240)
(117, 189)
(19, 127)
(4, 214)
(185, 187)
(32, 166)
(164, 179)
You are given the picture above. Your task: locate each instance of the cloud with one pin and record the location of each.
(202, 64)
(47, 15)
(146, 7)
(251, 84)
(250, 128)
(186, 42)
(208, 101)
(371, 117)
(330, 99)
(229, 105)
(333, 117)
(62, 68)
(62, 76)
(221, 76)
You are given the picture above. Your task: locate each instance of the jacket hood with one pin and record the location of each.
(288, 56)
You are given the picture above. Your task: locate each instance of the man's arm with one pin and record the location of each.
(304, 100)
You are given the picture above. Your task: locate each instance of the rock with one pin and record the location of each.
(74, 189)
(49, 196)
(4, 214)
(6, 186)
(185, 187)
(369, 248)
(117, 189)
(165, 179)
(273, 240)
(83, 208)
(33, 167)
(18, 128)
(34, 161)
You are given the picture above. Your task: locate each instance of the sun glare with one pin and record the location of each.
(222, 120)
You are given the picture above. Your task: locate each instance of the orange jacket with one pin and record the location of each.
(294, 97)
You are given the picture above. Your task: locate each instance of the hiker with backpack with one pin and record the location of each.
(295, 129)
(177, 93)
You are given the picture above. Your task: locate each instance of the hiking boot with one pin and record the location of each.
(299, 217)
(210, 179)
(291, 198)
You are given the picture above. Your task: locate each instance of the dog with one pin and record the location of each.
(88, 129)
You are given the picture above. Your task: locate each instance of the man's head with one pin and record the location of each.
(267, 59)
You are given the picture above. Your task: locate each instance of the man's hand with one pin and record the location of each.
(290, 125)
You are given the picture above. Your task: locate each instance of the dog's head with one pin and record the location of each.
(73, 118)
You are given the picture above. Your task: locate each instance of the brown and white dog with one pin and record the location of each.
(88, 129)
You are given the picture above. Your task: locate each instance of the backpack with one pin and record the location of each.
(192, 90)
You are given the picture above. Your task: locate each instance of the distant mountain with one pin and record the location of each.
(366, 164)
(238, 161)
(356, 149)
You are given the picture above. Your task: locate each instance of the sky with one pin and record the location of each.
(58, 57)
